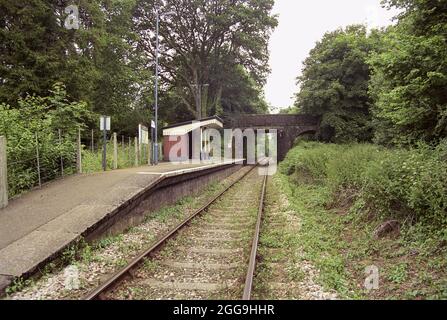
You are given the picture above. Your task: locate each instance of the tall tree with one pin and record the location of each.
(334, 85)
(214, 59)
(205, 42)
(30, 49)
(410, 75)
(99, 62)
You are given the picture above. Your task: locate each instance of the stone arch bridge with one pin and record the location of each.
(289, 127)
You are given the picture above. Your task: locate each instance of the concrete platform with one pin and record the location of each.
(38, 225)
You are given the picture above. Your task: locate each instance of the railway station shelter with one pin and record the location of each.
(178, 139)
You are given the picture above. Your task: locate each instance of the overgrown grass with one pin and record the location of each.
(408, 185)
(344, 192)
(92, 161)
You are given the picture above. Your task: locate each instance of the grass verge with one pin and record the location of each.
(339, 223)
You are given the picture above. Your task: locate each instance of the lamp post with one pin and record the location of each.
(157, 50)
(157, 47)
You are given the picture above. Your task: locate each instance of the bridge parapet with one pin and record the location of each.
(289, 127)
(274, 121)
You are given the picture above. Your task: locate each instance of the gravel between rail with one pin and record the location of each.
(208, 259)
(98, 261)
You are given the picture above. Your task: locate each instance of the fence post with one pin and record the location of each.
(149, 162)
(160, 151)
(93, 141)
(62, 158)
(79, 153)
(137, 162)
(140, 151)
(115, 151)
(38, 161)
(3, 174)
(129, 152)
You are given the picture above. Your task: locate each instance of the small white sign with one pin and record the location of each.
(143, 134)
(105, 120)
(153, 124)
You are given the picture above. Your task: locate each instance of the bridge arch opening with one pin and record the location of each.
(288, 127)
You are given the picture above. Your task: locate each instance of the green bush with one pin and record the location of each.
(409, 185)
(309, 159)
(41, 118)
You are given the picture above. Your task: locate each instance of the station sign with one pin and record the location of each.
(105, 123)
(143, 134)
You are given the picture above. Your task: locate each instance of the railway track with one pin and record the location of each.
(210, 255)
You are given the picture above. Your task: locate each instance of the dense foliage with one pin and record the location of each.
(98, 62)
(348, 195)
(109, 61)
(35, 125)
(213, 60)
(215, 55)
(388, 85)
(408, 185)
(334, 85)
(409, 75)
(385, 86)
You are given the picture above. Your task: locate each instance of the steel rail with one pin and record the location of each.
(98, 293)
(254, 249)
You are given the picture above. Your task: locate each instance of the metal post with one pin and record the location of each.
(129, 152)
(104, 145)
(140, 151)
(115, 151)
(152, 144)
(3, 174)
(149, 161)
(38, 161)
(62, 158)
(93, 141)
(123, 149)
(79, 152)
(156, 89)
(160, 152)
(136, 152)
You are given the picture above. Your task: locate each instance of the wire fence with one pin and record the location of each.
(33, 163)
(49, 156)
(130, 153)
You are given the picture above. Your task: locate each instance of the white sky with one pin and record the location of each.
(301, 24)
